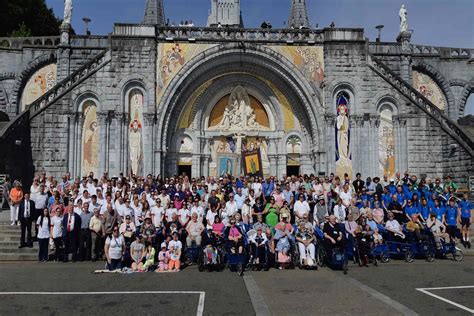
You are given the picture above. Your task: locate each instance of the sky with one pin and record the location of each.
(435, 22)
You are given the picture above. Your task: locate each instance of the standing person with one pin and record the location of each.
(15, 196)
(44, 233)
(41, 202)
(71, 233)
(85, 235)
(25, 215)
(465, 208)
(96, 226)
(114, 249)
(57, 227)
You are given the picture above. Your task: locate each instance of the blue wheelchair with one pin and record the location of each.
(335, 258)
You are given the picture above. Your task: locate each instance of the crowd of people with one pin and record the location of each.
(146, 223)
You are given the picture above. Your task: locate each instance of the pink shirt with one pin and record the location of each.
(218, 227)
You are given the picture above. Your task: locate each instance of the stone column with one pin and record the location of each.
(71, 119)
(361, 160)
(405, 71)
(273, 161)
(374, 145)
(329, 119)
(103, 137)
(124, 160)
(205, 165)
(148, 136)
(404, 143)
(78, 142)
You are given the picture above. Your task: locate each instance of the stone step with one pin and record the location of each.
(16, 250)
(10, 238)
(18, 257)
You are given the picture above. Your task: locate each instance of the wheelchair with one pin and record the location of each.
(258, 256)
(288, 259)
(326, 254)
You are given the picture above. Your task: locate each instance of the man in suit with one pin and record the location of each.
(71, 233)
(26, 213)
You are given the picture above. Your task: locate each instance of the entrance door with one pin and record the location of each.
(292, 171)
(184, 170)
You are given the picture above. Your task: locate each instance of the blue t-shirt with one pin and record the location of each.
(430, 204)
(451, 215)
(392, 189)
(439, 211)
(411, 210)
(400, 198)
(387, 199)
(425, 211)
(466, 208)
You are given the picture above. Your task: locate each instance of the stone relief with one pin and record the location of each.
(135, 131)
(90, 139)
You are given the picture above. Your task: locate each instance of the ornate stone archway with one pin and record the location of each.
(268, 77)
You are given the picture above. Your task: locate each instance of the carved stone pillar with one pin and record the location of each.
(374, 145)
(78, 144)
(71, 125)
(148, 143)
(273, 164)
(330, 120)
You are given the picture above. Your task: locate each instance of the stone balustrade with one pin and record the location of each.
(20, 42)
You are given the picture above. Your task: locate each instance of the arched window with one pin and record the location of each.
(90, 138)
(469, 108)
(343, 149)
(386, 142)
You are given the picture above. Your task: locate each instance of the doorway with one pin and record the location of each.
(184, 170)
(292, 171)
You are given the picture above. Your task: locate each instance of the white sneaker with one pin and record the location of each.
(12, 224)
(18, 223)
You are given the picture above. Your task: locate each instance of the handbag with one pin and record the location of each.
(52, 247)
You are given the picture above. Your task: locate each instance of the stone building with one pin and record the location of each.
(149, 98)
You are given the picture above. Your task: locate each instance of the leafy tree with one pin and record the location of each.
(27, 18)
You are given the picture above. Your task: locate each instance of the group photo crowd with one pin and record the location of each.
(165, 224)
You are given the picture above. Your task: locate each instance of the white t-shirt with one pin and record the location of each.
(199, 211)
(393, 225)
(57, 223)
(231, 208)
(257, 188)
(184, 215)
(346, 197)
(157, 212)
(43, 227)
(116, 244)
(170, 212)
(301, 208)
(175, 244)
(210, 218)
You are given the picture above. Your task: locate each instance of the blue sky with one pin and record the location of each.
(435, 22)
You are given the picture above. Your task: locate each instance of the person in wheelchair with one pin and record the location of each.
(283, 243)
(333, 238)
(194, 230)
(234, 237)
(209, 248)
(258, 246)
(394, 229)
(307, 250)
(415, 229)
(438, 230)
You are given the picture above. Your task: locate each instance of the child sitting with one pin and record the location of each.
(163, 259)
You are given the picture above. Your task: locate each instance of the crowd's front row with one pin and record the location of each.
(306, 243)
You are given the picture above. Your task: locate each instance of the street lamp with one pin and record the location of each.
(86, 22)
(379, 28)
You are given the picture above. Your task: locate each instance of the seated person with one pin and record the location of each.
(333, 234)
(363, 237)
(415, 228)
(218, 228)
(258, 246)
(163, 258)
(260, 223)
(282, 239)
(285, 210)
(137, 253)
(305, 238)
(394, 229)
(148, 230)
(149, 256)
(271, 248)
(175, 246)
(194, 230)
(284, 224)
(377, 238)
(234, 237)
(209, 248)
(378, 213)
(438, 230)
(127, 228)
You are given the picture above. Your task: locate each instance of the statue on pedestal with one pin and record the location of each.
(67, 12)
(403, 19)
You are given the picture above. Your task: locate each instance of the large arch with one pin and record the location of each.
(253, 61)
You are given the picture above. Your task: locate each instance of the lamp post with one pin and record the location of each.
(86, 22)
(379, 28)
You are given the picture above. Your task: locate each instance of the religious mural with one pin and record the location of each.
(40, 83)
(135, 131)
(90, 139)
(252, 163)
(386, 144)
(239, 113)
(343, 151)
(308, 59)
(171, 58)
(426, 86)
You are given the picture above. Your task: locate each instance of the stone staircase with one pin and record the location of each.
(449, 126)
(56, 93)
(9, 242)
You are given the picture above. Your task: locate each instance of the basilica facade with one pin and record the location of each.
(224, 99)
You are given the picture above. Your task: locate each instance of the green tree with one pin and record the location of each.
(27, 18)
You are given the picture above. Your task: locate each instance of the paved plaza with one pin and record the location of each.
(389, 289)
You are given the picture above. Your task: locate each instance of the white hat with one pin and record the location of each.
(163, 245)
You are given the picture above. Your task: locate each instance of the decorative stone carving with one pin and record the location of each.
(238, 114)
(403, 19)
(67, 12)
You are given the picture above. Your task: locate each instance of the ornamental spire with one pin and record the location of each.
(154, 13)
(298, 15)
